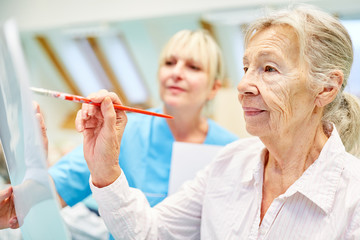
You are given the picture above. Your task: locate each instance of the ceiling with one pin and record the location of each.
(39, 14)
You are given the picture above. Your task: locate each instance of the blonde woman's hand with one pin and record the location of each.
(8, 217)
(40, 117)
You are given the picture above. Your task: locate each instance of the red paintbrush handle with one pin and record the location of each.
(117, 106)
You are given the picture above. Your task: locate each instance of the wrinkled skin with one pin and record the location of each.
(102, 128)
(274, 90)
(281, 108)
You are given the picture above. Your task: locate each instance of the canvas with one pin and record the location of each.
(36, 205)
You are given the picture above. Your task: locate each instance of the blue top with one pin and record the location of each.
(145, 157)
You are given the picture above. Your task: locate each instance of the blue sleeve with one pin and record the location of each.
(71, 177)
(71, 173)
(218, 135)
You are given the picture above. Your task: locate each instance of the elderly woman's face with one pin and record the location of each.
(273, 92)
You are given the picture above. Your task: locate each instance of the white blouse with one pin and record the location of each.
(224, 201)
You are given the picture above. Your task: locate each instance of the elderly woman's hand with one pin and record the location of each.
(102, 128)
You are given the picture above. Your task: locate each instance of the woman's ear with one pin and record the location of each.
(215, 88)
(328, 94)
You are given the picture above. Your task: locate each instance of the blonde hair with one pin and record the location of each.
(199, 46)
(325, 46)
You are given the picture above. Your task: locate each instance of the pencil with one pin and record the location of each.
(79, 99)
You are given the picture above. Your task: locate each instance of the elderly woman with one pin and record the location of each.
(294, 180)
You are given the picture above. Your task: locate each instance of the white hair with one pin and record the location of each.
(325, 46)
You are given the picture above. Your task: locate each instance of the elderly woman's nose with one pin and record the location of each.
(247, 86)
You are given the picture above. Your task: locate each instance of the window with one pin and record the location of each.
(89, 62)
(353, 27)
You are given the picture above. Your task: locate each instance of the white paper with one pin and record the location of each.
(186, 160)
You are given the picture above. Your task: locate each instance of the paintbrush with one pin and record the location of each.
(79, 99)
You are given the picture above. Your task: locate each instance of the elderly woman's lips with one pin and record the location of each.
(252, 111)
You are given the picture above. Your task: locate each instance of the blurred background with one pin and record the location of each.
(81, 46)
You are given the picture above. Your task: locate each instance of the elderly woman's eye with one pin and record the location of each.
(270, 69)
